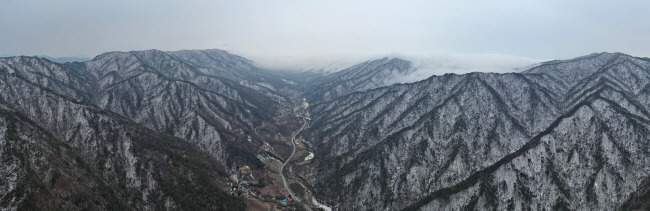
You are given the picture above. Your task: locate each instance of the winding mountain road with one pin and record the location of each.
(293, 143)
(284, 180)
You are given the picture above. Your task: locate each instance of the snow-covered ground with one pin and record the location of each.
(322, 206)
(310, 156)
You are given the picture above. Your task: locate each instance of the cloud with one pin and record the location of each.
(293, 33)
(439, 64)
(424, 65)
(315, 63)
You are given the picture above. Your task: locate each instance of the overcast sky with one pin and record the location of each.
(285, 33)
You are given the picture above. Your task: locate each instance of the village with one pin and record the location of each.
(266, 190)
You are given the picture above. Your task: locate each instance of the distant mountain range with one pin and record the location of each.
(56, 59)
(151, 129)
(65, 59)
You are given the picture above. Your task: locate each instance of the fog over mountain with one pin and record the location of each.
(290, 32)
(208, 129)
(324, 105)
(490, 141)
(427, 66)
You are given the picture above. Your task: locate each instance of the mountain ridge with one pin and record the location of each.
(564, 134)
(553, 96)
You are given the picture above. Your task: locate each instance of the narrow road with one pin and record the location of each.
(284, 180)
(293, 143)
(305, 117)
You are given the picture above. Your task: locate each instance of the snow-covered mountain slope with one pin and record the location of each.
(58, 153)
(361, 77)
(164, 130)
(187, 94)
(205, 103)
(567, 134)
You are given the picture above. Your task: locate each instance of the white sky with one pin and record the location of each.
(301, 33)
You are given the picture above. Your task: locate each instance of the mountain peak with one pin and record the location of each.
(385, 60)
(208, 57)
(595, 58)
(368, 75)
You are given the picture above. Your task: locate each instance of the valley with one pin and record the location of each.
(155, 130)
(282, 189)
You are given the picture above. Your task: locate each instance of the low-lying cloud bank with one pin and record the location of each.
(427, 66)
